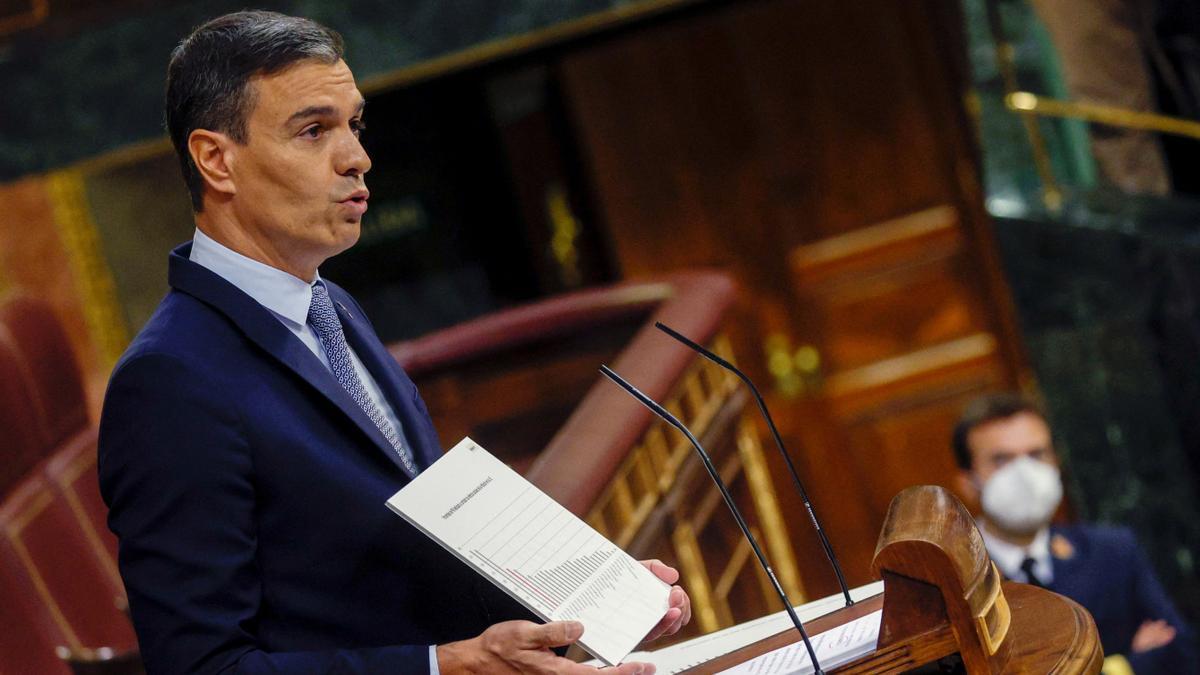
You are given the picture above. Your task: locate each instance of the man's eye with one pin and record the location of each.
(312, 132)
(358, 127)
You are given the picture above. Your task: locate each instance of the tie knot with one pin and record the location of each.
(320, 311)
(1027, 566)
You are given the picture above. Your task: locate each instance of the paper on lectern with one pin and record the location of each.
(698, 651)
(836, 646)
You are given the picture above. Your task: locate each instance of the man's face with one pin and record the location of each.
(299, 177)
(998, 442)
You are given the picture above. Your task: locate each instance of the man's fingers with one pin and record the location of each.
(631, 668)
(675, 625)
(669, 624)
(547, 662)
(664, 624)
(1164, 634)
(1152, 634)
(680, 599)
(678, 614)
(553, 634)
(661, 570)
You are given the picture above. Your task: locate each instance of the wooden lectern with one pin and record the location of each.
(944, 596)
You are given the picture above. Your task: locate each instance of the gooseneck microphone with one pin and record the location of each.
(787, 458)
(737, 514)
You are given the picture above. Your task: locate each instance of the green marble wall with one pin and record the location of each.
(81, 94)
(1107, 297)
(1007, 157)
(1107, 292)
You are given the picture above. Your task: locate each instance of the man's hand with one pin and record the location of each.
(523, 647)
(679, 608)
(1152, 635)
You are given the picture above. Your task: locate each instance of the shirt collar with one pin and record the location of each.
(1008, 556)
(286, 296)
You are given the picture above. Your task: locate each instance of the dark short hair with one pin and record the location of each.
(208, 77)
(988, 408)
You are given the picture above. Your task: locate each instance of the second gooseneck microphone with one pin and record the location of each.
(737, 514)
(787, 458)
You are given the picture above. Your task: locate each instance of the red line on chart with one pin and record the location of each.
(519, 577)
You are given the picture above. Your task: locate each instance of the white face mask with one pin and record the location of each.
(1021, 497)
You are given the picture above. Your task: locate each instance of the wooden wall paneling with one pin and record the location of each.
(734, 136)
(838, 493)
(564, 244)
(898, 425)
(897, 312)
(730, 137)
(944, 72)
(887, 289)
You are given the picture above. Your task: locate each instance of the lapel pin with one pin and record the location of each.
(347, 312)
(1061, 548)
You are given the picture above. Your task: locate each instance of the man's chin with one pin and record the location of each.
(348, 234)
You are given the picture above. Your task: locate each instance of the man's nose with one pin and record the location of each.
(352, 159)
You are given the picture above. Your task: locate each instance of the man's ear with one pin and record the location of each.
(213, 154)
(967, 489)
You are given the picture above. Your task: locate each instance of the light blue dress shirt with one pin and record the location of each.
(288, 298)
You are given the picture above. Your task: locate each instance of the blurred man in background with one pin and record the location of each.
(1005, 451)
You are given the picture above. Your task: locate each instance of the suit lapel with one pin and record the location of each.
(262, 328)
(1065, 556)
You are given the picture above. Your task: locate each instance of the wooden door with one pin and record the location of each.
(819, 151)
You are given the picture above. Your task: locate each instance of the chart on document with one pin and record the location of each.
(537, 551)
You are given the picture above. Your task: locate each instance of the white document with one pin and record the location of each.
(834, 647)
(698, 651)
(552, 562)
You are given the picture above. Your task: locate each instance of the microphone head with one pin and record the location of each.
(644, 399)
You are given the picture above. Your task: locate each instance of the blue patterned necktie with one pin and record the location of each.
(324, 319)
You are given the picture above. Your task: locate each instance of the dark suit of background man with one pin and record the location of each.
(1004, 447)
(255, 427)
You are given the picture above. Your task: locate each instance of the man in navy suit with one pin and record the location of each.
(1004, 447)
(256, 426)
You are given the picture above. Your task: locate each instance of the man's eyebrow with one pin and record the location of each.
(311, 111)
(321, 111)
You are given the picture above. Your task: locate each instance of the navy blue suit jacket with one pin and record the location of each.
(1108, 573)
(247, 491)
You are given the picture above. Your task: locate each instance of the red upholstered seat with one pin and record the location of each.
(51, 367)
(72, 471)
(24, 644)
(44, 405)
(60, 585)
(22, 445)
(58, 573)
